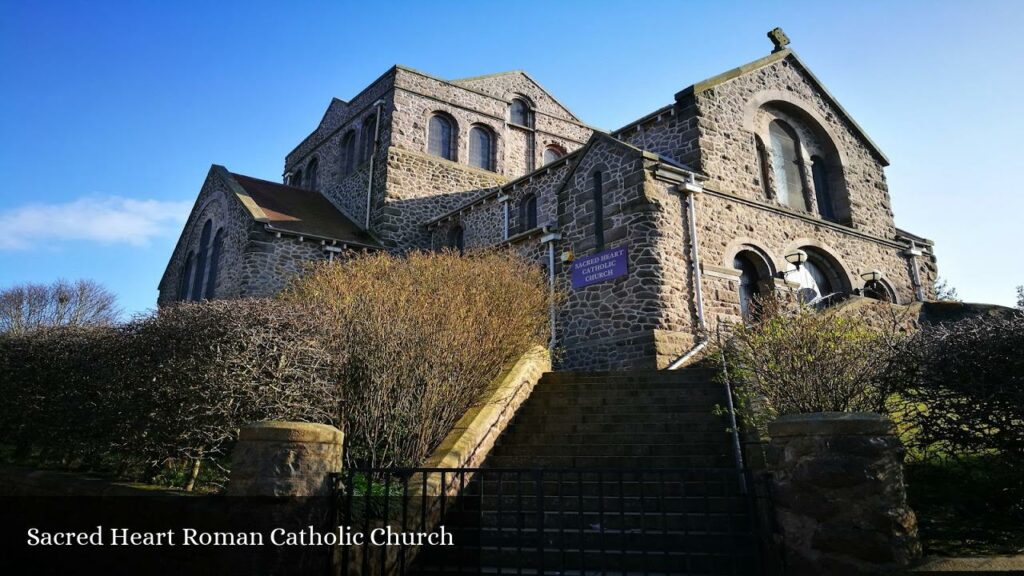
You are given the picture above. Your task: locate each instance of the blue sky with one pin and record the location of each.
(111, 113)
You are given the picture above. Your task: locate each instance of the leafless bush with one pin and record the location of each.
(32, 306)
(421, 337)
(959, 388)
(802, 360)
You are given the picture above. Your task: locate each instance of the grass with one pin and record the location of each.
(968, 507)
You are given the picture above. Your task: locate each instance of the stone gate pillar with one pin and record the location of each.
(280, 480)
(285, 459)
(839, 496)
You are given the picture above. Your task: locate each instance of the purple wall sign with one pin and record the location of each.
(601, 267)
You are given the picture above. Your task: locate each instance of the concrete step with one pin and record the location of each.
(624, 399)
(558, 449)
(499, 460)
(639, 419)
(632, 484)
(610, 503)
(528, 436)
(699, 425)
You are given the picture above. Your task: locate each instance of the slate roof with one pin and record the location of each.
(299, 211)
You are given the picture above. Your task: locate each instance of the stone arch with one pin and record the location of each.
(766, 97)
(838, 270)
(884, 286)
(744, 243)
(823, 161)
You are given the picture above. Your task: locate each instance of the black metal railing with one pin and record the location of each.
(550, 521)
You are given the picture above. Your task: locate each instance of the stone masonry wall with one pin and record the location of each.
(728, 153)
(269, 262)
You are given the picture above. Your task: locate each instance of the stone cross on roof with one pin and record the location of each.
(779, 39)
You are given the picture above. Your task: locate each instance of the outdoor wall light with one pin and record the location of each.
(797, 258)
(871, 276)
(567, 256)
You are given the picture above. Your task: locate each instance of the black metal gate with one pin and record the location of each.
(549, 521)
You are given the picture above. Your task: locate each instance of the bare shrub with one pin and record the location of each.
(801, 360)
(421, 338)
(32, 306)
(959, 388)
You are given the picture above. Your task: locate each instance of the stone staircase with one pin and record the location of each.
(606, 473)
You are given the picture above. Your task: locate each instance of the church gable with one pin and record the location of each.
(508, 85)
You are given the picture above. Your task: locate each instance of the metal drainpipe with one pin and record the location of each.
(550, 239)
(373, 154)
(911, 254)
(698, 292)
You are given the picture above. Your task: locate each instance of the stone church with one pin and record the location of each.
(751, 181)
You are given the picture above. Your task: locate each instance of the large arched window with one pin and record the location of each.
(369, 137)
(519, 113)
(481, 148)
(528, 212)
(185, 281)
(440, 137)
(598, 194)
(211, 277)
(457, 239)
(311, 174)
(823, 188)
(789, 186)
(348, 153)
(201, 258)
(750, 281)
(552, 153)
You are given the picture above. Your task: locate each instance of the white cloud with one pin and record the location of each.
(106, 220)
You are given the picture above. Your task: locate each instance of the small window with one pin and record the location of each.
(786, 165)
(439, 137)
(296, 179)
(201, 259)
(311, 174)
(551, 154)
(762, 165)
(211, 277)
(457, 239)
(481, 148)
(348, 153)
(369, 136)
(598, 212)
(750, 283)
(519, 113)
(528, 213)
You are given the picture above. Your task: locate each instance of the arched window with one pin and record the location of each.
(348, 153)
(296, 179)
(185, 281)
(818, 278)
(201, 259)
(528, 213)
(598, 192)
(762, 164)
(552, 153)
(750, 282)
(822, 188)
(481, 148)
(879, 291)
(519, 113)
(439, 137)
(457, 239)
(311, 173)
(211, 277)
(369, 137)
(789, 186)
